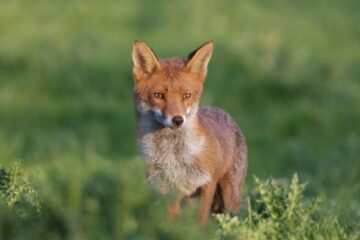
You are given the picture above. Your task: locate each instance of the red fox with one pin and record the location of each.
(193, 149)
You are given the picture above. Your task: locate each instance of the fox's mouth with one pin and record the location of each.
(174, 127)
(165, 122)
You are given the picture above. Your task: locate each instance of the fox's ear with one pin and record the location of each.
(145, 61)
(198, 60)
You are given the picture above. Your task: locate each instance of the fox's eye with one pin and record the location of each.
(187, 95)
(158, 95)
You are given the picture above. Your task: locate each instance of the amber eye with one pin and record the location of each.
(187, 95)
(158, 95)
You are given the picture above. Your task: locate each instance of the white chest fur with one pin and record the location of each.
(171, 155)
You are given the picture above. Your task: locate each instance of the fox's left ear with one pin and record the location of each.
(144, 59)
(198, 60)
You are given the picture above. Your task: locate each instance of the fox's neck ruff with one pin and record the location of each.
(171, 153)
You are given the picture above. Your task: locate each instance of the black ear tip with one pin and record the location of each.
(137, 42)
(209, 43)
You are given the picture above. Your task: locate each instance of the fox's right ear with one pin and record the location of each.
(198, 60)
(145, 61)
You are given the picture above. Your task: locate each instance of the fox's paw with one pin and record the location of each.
(174, 210)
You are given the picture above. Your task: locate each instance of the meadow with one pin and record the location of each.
(287, 71)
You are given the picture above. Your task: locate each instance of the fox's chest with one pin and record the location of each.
(171, 156)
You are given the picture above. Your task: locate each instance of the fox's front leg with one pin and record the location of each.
(206, 199)
(174, 209)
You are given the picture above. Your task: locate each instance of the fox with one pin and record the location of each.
(198, 151)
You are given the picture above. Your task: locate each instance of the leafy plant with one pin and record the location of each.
(16, 191)
(280, 212)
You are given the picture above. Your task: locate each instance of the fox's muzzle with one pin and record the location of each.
(175, 121)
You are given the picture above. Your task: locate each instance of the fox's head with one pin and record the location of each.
(169, 89)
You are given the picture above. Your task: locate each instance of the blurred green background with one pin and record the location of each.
(287, 71)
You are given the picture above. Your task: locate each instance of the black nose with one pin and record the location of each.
(177, 120)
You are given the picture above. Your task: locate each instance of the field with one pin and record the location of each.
(287, 71)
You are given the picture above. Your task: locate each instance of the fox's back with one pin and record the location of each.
(219, 121)
(226, 138)
(220, 124)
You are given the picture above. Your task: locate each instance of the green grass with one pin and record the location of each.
(288, 72)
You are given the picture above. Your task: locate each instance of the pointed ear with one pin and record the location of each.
(145, 61)
(198, 60)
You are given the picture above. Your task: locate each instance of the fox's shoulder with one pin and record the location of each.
(215, 114)
(216, 119)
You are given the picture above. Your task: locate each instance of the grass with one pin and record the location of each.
(286, 71)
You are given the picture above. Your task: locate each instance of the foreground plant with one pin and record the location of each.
(17, 192)
(279, 211)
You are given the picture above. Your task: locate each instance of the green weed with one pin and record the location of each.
(17, 192)
(279, 211)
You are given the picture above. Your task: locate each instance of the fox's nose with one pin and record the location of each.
(177, 120)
